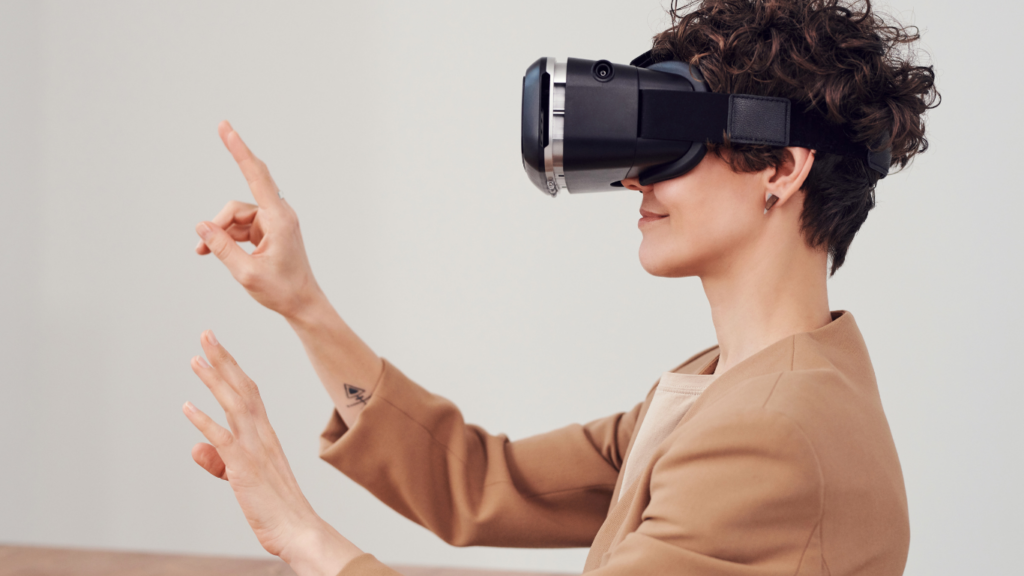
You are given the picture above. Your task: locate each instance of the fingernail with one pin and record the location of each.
(204, 230)
(190, 408)
(202, 362)
(200, 245)
(212, 338)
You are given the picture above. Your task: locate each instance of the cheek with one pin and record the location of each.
(700, 231)
(680, 246)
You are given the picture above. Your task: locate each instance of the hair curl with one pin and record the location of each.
(839, 58)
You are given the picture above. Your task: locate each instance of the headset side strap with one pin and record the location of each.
(746, 119)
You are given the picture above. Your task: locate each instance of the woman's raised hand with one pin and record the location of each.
(277, 273)
(250, 458)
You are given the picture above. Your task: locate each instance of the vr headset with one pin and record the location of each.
(589, 124)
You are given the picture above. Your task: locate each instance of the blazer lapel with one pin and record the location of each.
(776, 358)
(693, 365)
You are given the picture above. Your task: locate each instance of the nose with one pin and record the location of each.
(634, 184)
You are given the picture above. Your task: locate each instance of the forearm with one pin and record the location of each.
(347, 367)
(413, 450)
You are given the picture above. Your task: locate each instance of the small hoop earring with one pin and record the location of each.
(769, 202)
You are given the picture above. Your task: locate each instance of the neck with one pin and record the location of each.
(774, 291)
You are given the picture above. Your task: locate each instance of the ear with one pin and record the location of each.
(788, 178)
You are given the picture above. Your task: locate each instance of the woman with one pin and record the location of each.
(767, 453)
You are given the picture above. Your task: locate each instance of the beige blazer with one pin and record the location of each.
(785, 465)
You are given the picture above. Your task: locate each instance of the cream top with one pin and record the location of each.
(672, 399)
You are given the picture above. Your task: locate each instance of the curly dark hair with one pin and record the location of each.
(853, 66)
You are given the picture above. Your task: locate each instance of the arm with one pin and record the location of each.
(347, 367)
(413, 450)
(556, 496)
(739, 496)
(277, 275)
(539, 502)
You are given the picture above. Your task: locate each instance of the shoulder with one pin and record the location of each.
(808, 397)
(820, 376)
(794, 441)
(817, 413)
(831, 407)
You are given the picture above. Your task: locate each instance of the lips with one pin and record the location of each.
(649, 214)
(647, 217)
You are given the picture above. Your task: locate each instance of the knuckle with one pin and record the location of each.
(220, 359)
(247, 388)
(246, 277)
(224, 438)
(234, 209)
(288, 220)
(226, 358)
(225, 212)
(236, 406)
(220, 247)
(241, 208)
(253, 411)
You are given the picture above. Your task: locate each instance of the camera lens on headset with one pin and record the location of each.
(603, 71)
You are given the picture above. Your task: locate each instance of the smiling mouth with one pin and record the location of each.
(646, 217)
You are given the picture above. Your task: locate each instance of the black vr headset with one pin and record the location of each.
(587, 125)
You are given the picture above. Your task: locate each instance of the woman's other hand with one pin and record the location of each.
(277, 273)
(250, 458)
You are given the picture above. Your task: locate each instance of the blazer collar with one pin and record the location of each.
(828, 346)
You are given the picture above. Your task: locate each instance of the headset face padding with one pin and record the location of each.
(695, 154)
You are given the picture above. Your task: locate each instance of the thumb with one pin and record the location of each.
(222, 245)
(207, 456)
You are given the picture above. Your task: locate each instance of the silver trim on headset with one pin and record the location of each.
(554, 171)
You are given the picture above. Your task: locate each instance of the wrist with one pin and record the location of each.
(310, 310)
(319, 550)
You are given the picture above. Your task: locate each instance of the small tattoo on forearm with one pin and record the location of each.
(357, 394)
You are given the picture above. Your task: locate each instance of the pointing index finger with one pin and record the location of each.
(263, 187)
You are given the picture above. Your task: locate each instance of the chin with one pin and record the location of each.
(666, 265)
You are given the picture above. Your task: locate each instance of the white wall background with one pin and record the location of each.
(393, 130)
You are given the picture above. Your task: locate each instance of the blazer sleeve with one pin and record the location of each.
(741, 497)
(413, 451)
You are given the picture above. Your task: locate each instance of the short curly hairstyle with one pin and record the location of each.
(839, 58)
